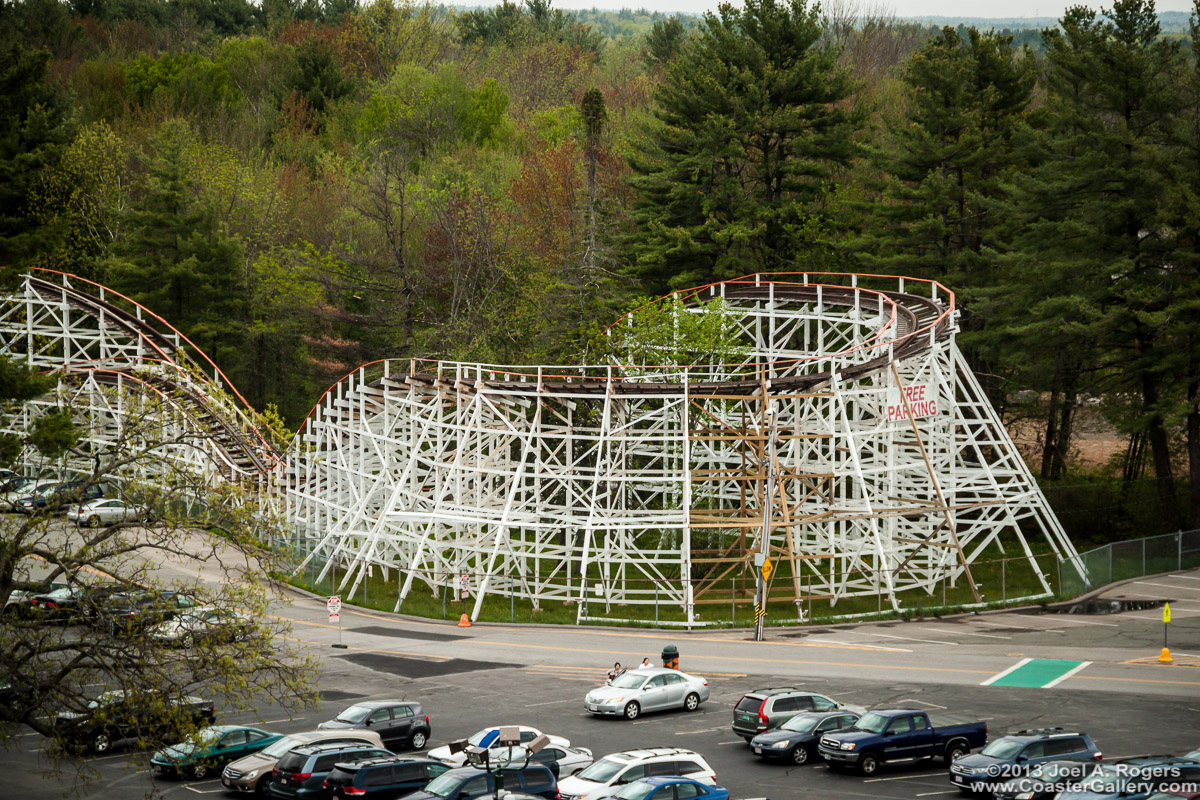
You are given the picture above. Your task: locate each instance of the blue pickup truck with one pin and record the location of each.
(901, 734)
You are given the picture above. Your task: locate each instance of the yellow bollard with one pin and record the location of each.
(1165, 657)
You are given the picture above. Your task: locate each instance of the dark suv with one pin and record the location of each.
(118, 715)
(299, 775)
(399, 724)
(382, 778)
(1011, 756)
(59, 496)
(467, 783)
(766, 709)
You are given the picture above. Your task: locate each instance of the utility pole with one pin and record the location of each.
(763, 545)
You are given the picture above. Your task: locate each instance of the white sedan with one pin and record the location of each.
(106, 511)
(647, 689)
(203, 622)
(488, 738)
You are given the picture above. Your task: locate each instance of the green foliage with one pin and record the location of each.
(180, 83)
(664, 40)
(33, 131)
(428, 109)
(669, 332)
(750, 128)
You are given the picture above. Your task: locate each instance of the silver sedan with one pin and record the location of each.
(650, 689)
(106, 511)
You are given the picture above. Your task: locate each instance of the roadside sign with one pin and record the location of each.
(334, 604)
(466, 585)
(767, 569)
(1166, 613)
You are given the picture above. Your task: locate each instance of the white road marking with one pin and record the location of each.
(898, 778)
(275, 721)
(911, 639)
(702, 730)
(1074, 670)
(930, 794)
(962, 633)
(1061, 618)
(922, 702)
(1168, 586)
(724, 743)
(552, 702)
(858, 644)
(1011, 669)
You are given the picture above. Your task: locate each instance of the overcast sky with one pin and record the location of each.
(902, 8)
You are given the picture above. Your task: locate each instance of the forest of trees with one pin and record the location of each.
(305, 185)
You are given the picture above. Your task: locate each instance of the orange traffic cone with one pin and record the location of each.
(464, 622)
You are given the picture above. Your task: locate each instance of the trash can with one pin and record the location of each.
(670, 657)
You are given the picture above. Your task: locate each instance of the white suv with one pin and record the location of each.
(604, 776)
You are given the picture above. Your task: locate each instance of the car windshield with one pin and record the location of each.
(799, 724)
(628, 680)
(47, 490)
(16, 484)
(355, 714)
(61, 594)
(444, 785)
(1002, 748)
(1104, 781)
(279, 748)
(872, 723)
(602, 771)
(635, 791)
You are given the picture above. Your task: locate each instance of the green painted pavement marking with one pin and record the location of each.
(1036, 673)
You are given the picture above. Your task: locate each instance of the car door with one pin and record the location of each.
(538, 780)
(628, 776)
(400, 727)
(687, 791)
(896, 738)
(654, 693)
(677, 687)
(1034, 753)
(663, 793)
(380, 721)
(921, 738)
(475, 787)
(231, 747)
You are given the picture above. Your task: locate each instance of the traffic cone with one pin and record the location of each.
(1165, 657)
(464, 621)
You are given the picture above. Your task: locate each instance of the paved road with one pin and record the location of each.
(496, 674)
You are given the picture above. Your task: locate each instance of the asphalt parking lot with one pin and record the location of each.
(462, 696)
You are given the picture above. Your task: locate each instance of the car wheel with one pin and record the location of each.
(800, 754)
(954, 752)
(94, 521)
(633, 710)
(199, 771)
(263, 786)
(101, 743)
(868, 765)
(418, 740)
(187, 640)
(691, 702)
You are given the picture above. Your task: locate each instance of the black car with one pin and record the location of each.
(382, 778)
(58, 496)
(126, 611)
(301, 773)
(468, 783)
(119, 715)
(63, 604)
(1045, 780)
(795, 741)
(399, 723)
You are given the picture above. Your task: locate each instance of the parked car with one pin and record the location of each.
(1045, 780)
(210, 748)
(300, 773)
(118, 715)
(467, 783)
(14, 489)
(601, 778)
(647, 689)
(901, 734)
(795, 741)
(203, 623)
(61, 605)
(400, 724)
(39, 489)
(382, 778)
(53, 497)
(252, 774)
(562, 761)
(128, 611)
(766, 709)
(1012, 756)
(488, 738)
(669, 788)
(19, 600)
(1127, 781)
(106, 511)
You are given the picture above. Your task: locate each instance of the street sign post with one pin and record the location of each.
(1165, 656)
(334, 605)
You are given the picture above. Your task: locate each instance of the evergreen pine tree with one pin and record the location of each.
(750, 129)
